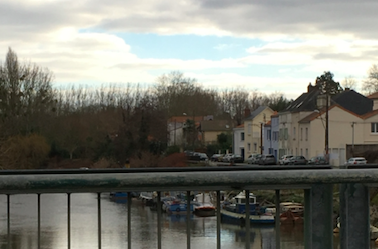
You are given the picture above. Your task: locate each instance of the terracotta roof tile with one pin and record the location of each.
(373, 96)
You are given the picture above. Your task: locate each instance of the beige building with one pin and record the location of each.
(342, 130)
(253, 129)
(351, 121)
(210, 129)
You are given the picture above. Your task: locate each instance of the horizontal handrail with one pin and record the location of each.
(162, 169)
(166, 181)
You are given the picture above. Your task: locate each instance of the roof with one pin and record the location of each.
(354, 102)
(216, 125)
(370, 114)
(349, 100)
(315, 115)
(305, 102)
(373, 96)
(256, 112)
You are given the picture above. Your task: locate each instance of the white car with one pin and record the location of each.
(227, 158)
(356, 160)
(285, 159)
(253, 159)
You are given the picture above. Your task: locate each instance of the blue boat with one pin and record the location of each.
(234, 211)
(177, 207)
(119, 197)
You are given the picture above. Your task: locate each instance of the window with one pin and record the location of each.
(268, 135)
(286, 135)
(294, 133)
(255, 146)
(306, 153)
(249, 128)
(242, 136)
(301, 133)
(301, 151)
(249, 146)
(306, 134)
(281, 134)
(374, 127)
(275, 135)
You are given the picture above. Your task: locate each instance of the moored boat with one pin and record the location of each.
(234, 211)
(203, 205)
(178, 207)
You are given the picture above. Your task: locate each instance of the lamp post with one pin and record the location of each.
(352, 138)
(261, 138)
(326, 131)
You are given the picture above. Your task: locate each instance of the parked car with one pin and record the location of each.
(356, 160)
(237, 159)
(285, 159)
(226, 158)
(317, 160)
(253, 159)
(216, 157)
(268, 159)
(202, 156)
(298, 160)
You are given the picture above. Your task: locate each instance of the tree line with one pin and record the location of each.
(39, 122)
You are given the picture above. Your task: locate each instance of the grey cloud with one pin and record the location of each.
(298, 18)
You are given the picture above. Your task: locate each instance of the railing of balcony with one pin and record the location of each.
(317, 183)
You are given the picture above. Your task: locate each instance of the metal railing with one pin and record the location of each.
(317, 183)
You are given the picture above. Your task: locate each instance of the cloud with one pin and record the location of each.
(80, 41)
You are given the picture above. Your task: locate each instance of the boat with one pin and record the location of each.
(119, 197)
(291, 213)
(234, 211)
(203, 206)
(177, 207)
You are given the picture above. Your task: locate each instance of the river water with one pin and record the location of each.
(84, 232)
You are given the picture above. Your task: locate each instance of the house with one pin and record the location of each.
(311, 137)
(300, 108)
(253, 130)
(271, 131)
(302, 125)
(210, 129)
(238, 140)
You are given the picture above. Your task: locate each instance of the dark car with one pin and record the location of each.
(298, 160)
(317, 160)
(268, 159)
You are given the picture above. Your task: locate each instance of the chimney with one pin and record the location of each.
(247, 112)
(310, 87)
(347, 89)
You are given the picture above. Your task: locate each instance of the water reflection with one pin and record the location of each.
(114, 226)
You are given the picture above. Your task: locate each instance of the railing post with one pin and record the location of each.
(354, 216)
(318, 217)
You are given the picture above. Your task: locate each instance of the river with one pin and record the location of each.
(114, 226)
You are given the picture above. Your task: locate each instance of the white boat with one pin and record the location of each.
(203, 205)
(234, 211)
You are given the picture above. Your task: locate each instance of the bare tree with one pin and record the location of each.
(370, 85)
(26, 95)
(349, 82)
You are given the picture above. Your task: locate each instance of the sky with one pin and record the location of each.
(264, 45)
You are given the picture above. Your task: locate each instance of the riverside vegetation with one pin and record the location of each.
(109, 126)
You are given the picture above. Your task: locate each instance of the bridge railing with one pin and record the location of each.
(317, 183)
